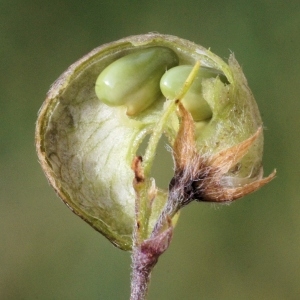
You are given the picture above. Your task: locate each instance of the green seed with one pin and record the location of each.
(133, 80)
(193, 101)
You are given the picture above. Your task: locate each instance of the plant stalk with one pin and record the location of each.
(142, 266)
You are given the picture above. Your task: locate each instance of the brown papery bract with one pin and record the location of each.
(199, 177)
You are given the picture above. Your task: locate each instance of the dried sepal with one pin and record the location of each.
(199, 176)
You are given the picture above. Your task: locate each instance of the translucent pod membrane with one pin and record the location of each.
(172, 82)
(133, 80)
(86, 146)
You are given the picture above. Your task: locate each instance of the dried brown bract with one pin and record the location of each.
(199, 177)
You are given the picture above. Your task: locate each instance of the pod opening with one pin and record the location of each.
(162, 170)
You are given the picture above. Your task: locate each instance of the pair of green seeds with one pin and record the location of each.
(140, 78)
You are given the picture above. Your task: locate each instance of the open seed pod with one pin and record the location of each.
(101, 108)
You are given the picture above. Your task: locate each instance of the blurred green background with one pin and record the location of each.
(249, 250)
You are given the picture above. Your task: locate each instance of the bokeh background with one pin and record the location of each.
(248, 250)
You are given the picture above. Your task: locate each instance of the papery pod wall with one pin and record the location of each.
(86, 147)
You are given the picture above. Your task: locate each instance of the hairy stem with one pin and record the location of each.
(142, 266)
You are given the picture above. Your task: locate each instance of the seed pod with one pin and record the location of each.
(86, 147)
